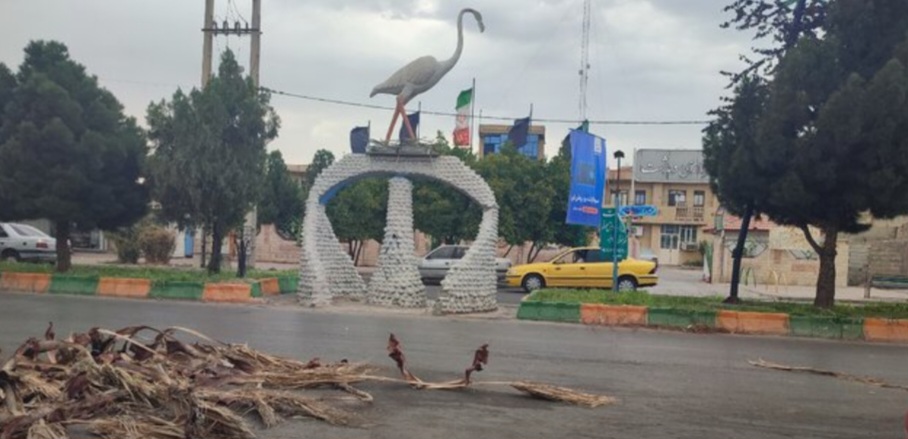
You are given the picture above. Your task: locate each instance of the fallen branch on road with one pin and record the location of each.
(145, 382)
(481, 357)
(840, 375)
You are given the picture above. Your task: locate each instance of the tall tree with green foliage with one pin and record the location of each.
(209, 153)
(784, 22)
(282, 197)
(67, 151)
(524, 196)
(834, 138)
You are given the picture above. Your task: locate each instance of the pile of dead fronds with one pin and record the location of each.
(141, 382)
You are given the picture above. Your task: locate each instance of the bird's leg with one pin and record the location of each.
(397, 111)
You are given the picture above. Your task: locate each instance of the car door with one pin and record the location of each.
(567, 270)
(4, 238)
(595, 271)
(435, 264)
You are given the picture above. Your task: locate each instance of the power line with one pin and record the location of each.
(442, 113)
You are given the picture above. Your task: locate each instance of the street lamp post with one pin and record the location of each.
(618, 156)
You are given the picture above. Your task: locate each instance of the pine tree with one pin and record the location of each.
(67, 152)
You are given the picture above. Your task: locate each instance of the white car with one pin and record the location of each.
(434, 266)
(21, 242)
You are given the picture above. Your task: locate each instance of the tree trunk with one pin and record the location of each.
(217, 238)
(241, 261)
(359, 251)
(64, 255)
(738, 254)
(825, 297)
(204, 244)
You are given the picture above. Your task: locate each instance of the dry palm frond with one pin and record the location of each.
(840, 375)
(563, 394)
(43, 430)
(33, 385)
(135, 427)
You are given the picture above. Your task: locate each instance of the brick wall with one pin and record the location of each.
(889, 258)
(780, 267)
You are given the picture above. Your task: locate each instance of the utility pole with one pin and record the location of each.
(209, 31)
(584, 58)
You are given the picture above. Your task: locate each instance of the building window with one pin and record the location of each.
(669, 238)
(688, 234)
(699, 198)
(676, 197)
(639, 197)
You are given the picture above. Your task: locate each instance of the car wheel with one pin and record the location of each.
(627, 283)
(10, 256)
(533, 282)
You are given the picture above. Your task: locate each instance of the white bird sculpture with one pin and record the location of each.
(420, 75)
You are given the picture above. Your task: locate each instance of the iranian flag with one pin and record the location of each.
(462, 129)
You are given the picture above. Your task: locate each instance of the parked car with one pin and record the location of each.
(434, 266)
(582, 267)
(648, 255)
(21, 242)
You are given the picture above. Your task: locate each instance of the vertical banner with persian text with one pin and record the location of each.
(587, 179)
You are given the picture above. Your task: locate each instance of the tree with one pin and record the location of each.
(785, 22)
(444, 213)
(358, 213)
(834, 138)
(282, 198)
(729, 156)
(321, 161)
(524, 196)
(67, 151)
(209, 152)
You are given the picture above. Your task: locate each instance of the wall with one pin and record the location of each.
(889, 258)
(776, 267)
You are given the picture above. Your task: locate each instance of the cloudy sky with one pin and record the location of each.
(651, 60)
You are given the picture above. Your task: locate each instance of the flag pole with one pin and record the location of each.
(472, 108)
(479, 146)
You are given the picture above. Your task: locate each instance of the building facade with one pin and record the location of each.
(675, 182)
(493, 137)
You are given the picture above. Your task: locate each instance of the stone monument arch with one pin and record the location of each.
(327, 272)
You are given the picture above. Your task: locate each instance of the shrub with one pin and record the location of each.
(126, 241)
(157, 244)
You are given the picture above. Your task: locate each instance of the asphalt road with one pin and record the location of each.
(670, 385)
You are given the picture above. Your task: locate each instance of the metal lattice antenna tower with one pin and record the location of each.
(584, 58)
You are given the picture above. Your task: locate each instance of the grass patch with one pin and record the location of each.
(642, 298)
(156, 274)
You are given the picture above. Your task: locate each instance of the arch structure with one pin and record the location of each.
(327, 272)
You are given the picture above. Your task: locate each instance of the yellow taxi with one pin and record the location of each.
(583, 267)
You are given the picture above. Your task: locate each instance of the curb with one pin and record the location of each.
(736, 322)
(142, 288)
(30, 282)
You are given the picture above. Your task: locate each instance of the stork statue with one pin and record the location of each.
(420, 75)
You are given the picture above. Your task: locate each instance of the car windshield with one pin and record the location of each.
(25, 230)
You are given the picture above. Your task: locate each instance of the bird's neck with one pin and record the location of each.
(449, 63)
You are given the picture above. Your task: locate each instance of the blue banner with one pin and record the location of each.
(587, 179)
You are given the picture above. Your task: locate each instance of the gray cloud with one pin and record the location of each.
(651, 59)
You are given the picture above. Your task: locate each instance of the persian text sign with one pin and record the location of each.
(669, 166)
(612, 228)
(639, 210)
(587, 179)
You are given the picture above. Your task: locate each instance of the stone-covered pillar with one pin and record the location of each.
(396, 281)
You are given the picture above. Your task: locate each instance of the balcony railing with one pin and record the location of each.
(687, 213)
